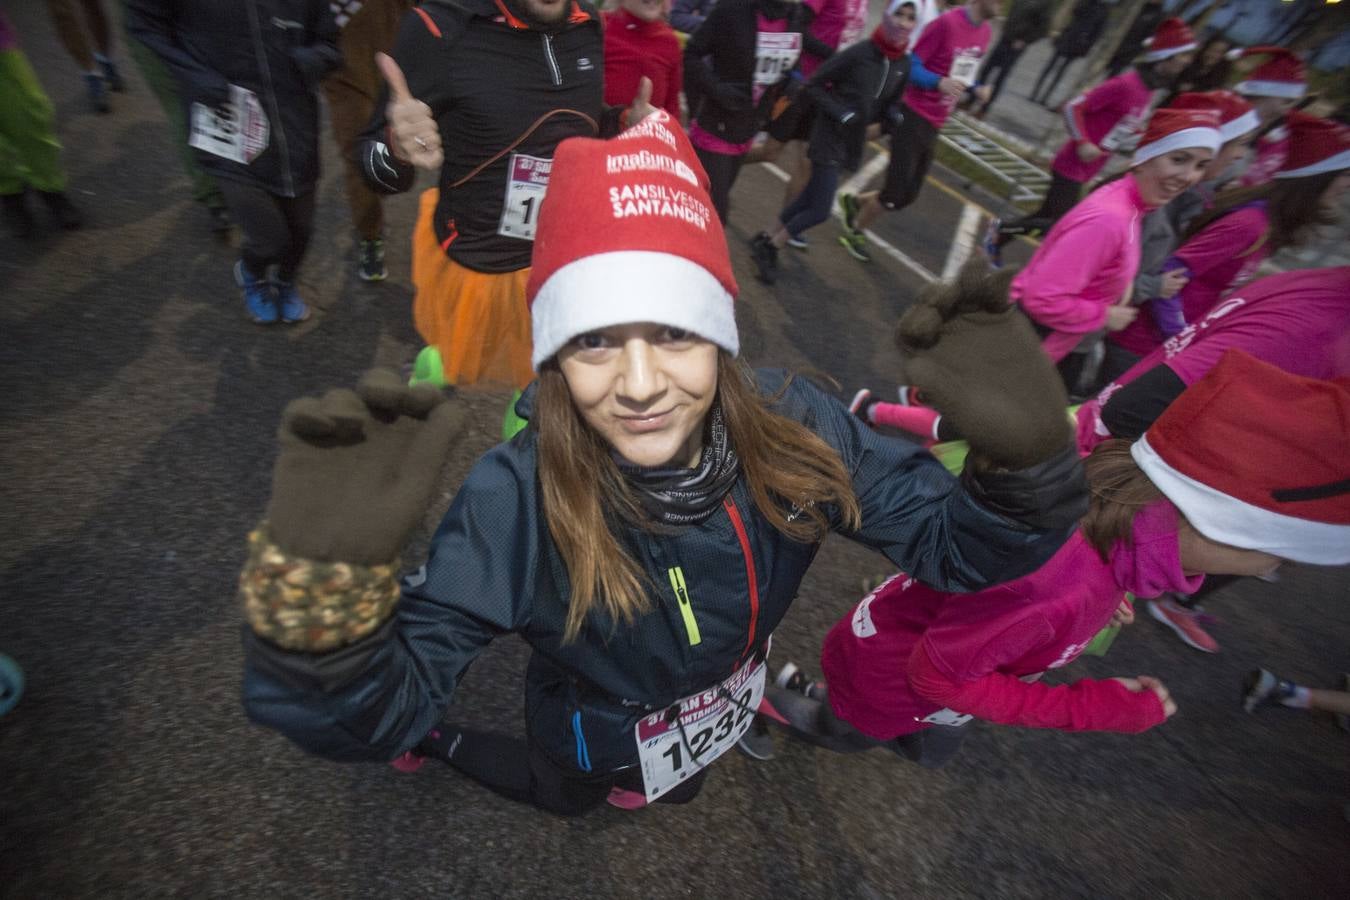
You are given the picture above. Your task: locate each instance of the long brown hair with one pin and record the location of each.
(1293, 207)
(793, 476)
(1119, 489)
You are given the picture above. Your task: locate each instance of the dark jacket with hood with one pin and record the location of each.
(851, 90)
(719, 65)
(493, 569)
(278, 49)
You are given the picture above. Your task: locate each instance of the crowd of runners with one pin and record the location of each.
(648, 523)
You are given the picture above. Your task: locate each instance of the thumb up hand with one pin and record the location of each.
(413, 132)
(642, 103)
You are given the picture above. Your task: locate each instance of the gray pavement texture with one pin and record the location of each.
(138, 410)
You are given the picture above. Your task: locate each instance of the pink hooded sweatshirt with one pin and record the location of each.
(1298, 321)
(907, 652)
(1111, 116)
(1086, 263)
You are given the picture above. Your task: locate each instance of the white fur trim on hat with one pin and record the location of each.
(1289, 90)
(1184, 139)
(1330, 164)
(1248, 121)
(1165, 52)
(1231, 521)
(626, 286)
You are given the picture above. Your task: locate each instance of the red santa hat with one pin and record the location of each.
(1316, 146)
(1282, 75)
(1172, 37)
(627, 233)
(1177, 129)
(1236, 116)
(1256, 458)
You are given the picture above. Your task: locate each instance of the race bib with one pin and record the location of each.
(236, 131)
(965, 66)
(526, 182)
(949, 717)
(775, 55)
(1124, 137)
(710, 723)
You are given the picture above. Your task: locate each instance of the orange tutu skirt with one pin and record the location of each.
(477, 320)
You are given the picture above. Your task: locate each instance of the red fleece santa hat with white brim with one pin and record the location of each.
(1316, 146)
(627, 233)
(1236, 116)
(1256, 458)
(1172, 36)
(1282, 75)
(1178, 129)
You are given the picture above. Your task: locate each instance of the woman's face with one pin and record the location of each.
(1201, 556)
(646, 10)
(645, 388)
(1214, 53)
(1229, 155)
(1164, 177)
(1268, 109)
(899, 25)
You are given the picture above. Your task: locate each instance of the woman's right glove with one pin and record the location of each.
(354, 476)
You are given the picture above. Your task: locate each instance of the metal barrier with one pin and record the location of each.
(1023, 181)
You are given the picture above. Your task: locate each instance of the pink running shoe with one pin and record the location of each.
(1185, 622)
(625, 799)
(409, 762)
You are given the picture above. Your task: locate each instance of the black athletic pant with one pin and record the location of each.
(276, 229)
(1060, 197)
(1001, 60)
(930, 747)
(518, 770)
(911, 157)
(1058, 62)
(722, 170)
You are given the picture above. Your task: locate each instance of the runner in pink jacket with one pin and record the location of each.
(1210, 489)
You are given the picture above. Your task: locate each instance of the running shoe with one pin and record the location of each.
(799, 243)
(258, 301)
(97, 92)
(855, 242)
(1185, 622)
(372, 260)
(992, 246)
(757, 742)
(848, 203)
(910, 395)
(765, 256)
(793, 678)
(861, 405)
(293, 307)
(1264, 688)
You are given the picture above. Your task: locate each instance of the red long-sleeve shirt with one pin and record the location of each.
(634, 48)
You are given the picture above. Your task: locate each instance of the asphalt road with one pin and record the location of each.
(137, 411)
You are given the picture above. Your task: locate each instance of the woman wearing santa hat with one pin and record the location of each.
(1078, 282)
(645, 534)
(1245, 470)
(1223, 249)
(1107, 119)
(1274, 87)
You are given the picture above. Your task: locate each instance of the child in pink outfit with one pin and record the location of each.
(1207, 490)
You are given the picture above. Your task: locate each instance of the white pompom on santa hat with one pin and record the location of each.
(1255, 458)
(1172, 36)
(1281, 75)
(627, 233)
(1316, 146)
(1179, 129)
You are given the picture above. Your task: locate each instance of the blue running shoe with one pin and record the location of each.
(261, 308)
(293, 307)
(992, 248)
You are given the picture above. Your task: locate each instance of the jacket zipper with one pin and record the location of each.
(552, 60)
(272, 102)
(739, 525)
(885, 74)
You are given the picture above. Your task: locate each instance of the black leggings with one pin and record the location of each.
(812, 206)
(518, 770)
(722, 169)
(1060, 197)
(1001, 60)
(1059, 62)
(276, 229)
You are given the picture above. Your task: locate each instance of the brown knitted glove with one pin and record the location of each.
(357, 468)
(979, 363)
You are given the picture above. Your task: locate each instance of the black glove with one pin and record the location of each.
(980, 364)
